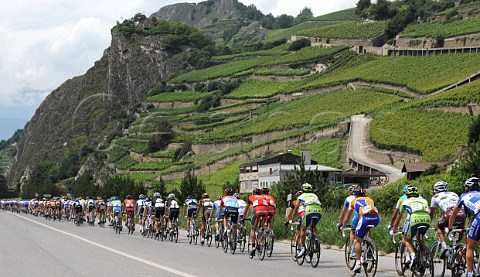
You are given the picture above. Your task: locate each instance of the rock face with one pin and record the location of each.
(85, 109)
(202, 14)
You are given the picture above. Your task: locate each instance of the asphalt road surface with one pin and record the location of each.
(33, 246)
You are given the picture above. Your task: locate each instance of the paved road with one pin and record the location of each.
(32, 246)
(358, 143)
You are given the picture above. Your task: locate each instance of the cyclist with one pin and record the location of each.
(91, 209)
(312, 213)
(117, 210)
(471, 201)
(259, 214)
(418, 215)
(271, 207)
(140, 208)
(218, 214)
(77, 206)
(446, 201)
(129, 208)
(368, 216)
(173, 209)
(207, 204)
(159, 210)
(345, 209)
(190, 208)
(241, 206)
(100, 209)
(231, 211)
(397, 207)
(301, 213)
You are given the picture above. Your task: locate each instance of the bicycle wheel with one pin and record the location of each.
(262, 245)
(233, 242)
(400, 258)
(270, 241)
(316, 252)
(175, 234)
(439, 264)
(208, 235)
(371, 259)
(293, 247)
(191, 236)
(242, 240)
(195, 235)
(218, 239)
(460, 261)
(300, 260)
(349, 258)
(225, 243)
(308, 255)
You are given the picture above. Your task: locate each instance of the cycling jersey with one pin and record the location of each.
(368, 214)
(312, 208)
(356, 217)
(159, 208)
(191, 205)
(241, 207)
(231, 207)
(117, 206)
(446, 200)
(400, 201)
(140, 205)
(216, 207)
(174, 209)
(207, 204)
(129, 206)
(260, 207)
(148, 207)
(418, 215)
(471, 201)
(271, 205)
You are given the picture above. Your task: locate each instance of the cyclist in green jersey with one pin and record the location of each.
(418, 215)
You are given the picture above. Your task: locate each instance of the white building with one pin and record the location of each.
(272, 170)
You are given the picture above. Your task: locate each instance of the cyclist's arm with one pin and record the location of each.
(200, 205)
(432, 212)
(220, 210)
(397, 221)
(349, 216)
(184, 210)
(394, 217)
(342, 214)
(293, 212)
(245, 212)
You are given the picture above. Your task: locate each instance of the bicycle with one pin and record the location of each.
(401, 255)
(219, 237)
(208, 235)
(241, 236)
(424, 261)
(91, 218)
(194, 232)
(369, 257)
(294, 242)
(101, 220)
(453, 258)
(260, 240)
(173, 234)
(130, 223)
(117, 226)
(161, 228)
(229, 238)
(312, 249)
(348, 247)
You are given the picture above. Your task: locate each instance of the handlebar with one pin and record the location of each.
(394, 235)
(344, 230)
(453, 232)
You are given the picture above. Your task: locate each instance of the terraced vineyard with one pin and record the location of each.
(446, 30)
(434, 134)
(421, 74)
(184, 96)
(343, 15)
(347, 30)
(458, 97)
(253, 88)
(294, 30)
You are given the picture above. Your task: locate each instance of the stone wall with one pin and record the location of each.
(463, 41)
(172, 105)
(418, 43)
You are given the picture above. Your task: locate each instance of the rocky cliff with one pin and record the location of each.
(88, 108)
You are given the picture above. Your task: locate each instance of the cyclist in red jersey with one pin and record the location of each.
(129, 207)
(271, 207)
(259, 214)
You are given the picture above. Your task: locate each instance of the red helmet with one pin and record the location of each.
(229, 191)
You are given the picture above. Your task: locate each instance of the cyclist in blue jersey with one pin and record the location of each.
(397, 207)
(190, 208)
(229, 206)
(470, 200)
(217, 214)
(345, 208)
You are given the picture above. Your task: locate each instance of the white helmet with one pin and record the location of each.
(171, 196)
(440, 186)
(156, 195)
(307, 187)
(470, 182)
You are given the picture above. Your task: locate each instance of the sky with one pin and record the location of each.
(46, 42)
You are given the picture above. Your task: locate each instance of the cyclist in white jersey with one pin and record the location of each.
(241, 206)
(140, 208)
(446, 201)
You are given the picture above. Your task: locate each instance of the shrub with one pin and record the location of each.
(299, 44)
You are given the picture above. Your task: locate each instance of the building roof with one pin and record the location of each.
(285, 158)
(312, 167)
(419, 167)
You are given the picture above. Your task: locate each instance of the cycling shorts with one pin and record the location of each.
(300, 221)
(130, 210)
(459, 219)
(159, 212)
(117, 210)
(362, 227)
(206, 215)
(474, 231)
(101, 208)
(191, 212)
(258, 212)
(232, 213)
(271, 211)
(411, 226)
(174, 212)
(78, 209)
(354, 222)
(91, 208)
(312, 218)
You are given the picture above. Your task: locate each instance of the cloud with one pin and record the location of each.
(319, 7)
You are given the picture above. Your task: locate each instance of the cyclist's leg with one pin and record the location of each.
(472, 242)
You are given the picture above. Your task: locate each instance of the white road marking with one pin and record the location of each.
(162, 267)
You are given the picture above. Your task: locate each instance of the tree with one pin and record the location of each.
(283, 21)
(362, 7)
(121, 186)
(160, 187)
(3, 184)
(159, 141)
(304, 15)
(380, 11)
(268, 21)
(191, 186)
(469, 163)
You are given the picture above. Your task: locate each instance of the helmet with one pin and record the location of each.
(358, 191)
(129, 197)
(141, 196)
(148, 199)
(307, 187)
(98, 198)
(114, 198)
(440, 186)
(237, 195)
(190, 196)
(205, 195)
(352, 188)
(412, 192)
(265, 190)
(171, 196)
(229, 191)
(157, 195)
(257, 191)
(219, 197)
(405, 189)
(474, 181)
(298, 193)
